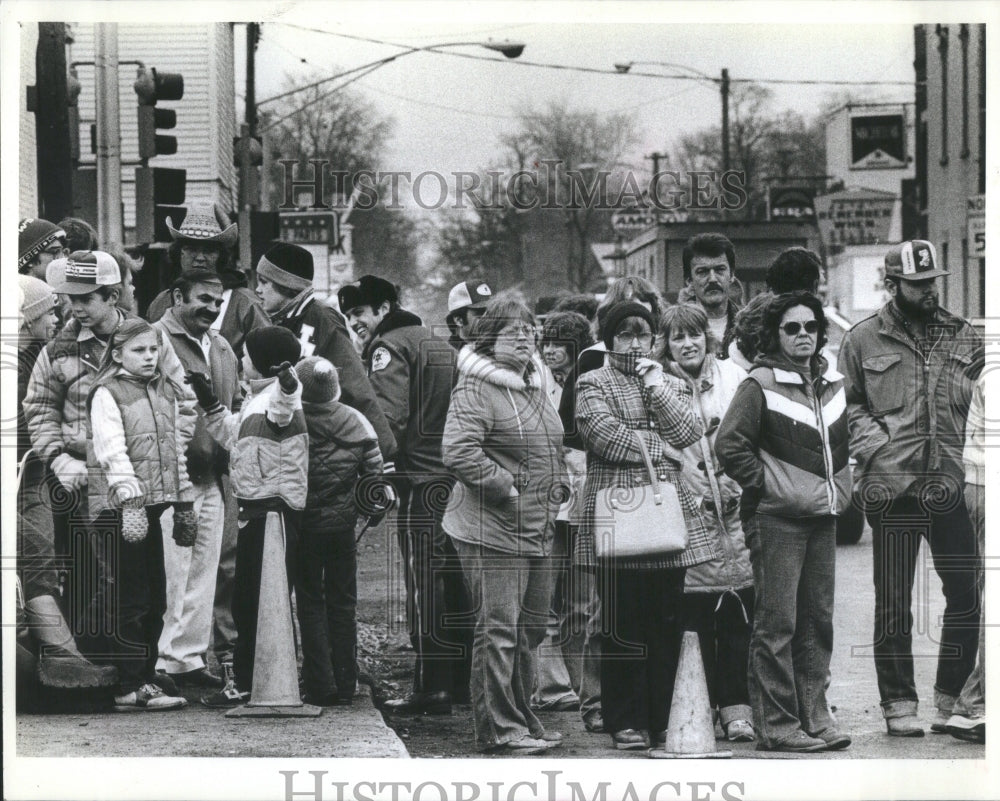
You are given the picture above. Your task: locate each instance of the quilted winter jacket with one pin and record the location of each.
(141, 428)
(907, 413)
(267, 443)
(342, 447)
(784, 439)
(716, 495)
(502, 433)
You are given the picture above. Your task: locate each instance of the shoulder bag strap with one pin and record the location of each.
(657, 496)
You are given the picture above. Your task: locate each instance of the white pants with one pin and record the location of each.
(191, 573)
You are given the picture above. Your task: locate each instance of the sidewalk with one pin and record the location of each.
(196, 731)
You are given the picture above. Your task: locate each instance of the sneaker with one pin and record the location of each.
(972, 730)
(551, 737)
(528, 745)
(148, 698)
(594, 722)
(940, 723)
(228, 697)
(835, 740)
(165, 683)
(740, 731)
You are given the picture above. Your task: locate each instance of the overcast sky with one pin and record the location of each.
(450, 112)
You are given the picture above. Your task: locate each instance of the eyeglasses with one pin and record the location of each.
(54, 250)
(515, 331)
(792, 329)
(643, 339)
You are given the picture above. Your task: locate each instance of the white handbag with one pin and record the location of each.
(639, 521)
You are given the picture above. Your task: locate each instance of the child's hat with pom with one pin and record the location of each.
(320, 383)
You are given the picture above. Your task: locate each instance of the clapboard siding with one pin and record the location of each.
(28, 158)
(203, 54)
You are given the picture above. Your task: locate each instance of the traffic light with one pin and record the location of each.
(152, 86)
(157, 188)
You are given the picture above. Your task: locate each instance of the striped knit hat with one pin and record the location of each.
(33, 236)
(287, 265)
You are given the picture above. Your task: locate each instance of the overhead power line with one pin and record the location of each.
(599, 71)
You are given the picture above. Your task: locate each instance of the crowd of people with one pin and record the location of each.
(155, 453)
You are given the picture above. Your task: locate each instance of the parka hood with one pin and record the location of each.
(476, 365)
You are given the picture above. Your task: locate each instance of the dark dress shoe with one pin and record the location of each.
(438, 703)
(166, 683)
(201, 677)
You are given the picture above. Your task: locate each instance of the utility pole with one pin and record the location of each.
(110, 227)
(247, 131)
(53, 129)
(724, 88)
(656, 158)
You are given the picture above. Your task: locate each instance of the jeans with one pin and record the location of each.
(569, 658)
(326, 597)
(793, 562)
(971, 702)
(723, 622)
(510, 595)
(640, 645)
(896, 534)
(131, 596)
(191, 573)
(223, 626)
(437, 601)
(246, 588)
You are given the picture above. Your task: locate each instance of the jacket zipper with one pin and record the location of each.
(831, 487)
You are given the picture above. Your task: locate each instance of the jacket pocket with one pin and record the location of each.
(885, 384)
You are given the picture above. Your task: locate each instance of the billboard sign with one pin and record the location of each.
(311, 228)
(855, 218)
(791, 203)
(975, 209)
(878, 141)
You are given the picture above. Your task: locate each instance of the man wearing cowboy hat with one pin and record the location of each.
(205, 241)
(909, 375)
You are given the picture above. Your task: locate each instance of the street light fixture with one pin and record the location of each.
(722, 82)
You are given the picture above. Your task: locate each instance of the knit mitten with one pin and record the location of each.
(135, 524)
(185, 524)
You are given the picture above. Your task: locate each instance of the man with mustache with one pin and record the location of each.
(197, 298)
(709, 266)
(909, 374)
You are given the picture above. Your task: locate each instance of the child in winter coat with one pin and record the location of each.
(141, 422)
(343, 448)
(268, 468)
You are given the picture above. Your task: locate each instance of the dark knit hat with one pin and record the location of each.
(271, 346)
(621, 311)
(370, 290)
(287, 265)
(320, 383)
(33, 236)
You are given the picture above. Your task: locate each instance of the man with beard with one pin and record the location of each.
(413, 372)
(191, 571)
(709, 270)
(910, 370)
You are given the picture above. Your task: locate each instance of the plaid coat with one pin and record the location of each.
(610, 406)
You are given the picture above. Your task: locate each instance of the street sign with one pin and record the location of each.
(975, 208)
(311, 228)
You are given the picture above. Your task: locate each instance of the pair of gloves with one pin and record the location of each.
(201, 385)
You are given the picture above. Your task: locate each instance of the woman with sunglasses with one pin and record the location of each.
(784, 440)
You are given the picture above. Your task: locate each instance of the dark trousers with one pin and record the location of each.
(723, 622)
(131, 596)
(640, 645)
(438, 609)
(896, 535)
(326, 597)
(246, 588)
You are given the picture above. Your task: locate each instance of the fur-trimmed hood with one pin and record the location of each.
(476, 365)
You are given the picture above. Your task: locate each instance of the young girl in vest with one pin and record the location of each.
(141, 423)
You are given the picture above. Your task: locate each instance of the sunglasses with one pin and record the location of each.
(792, 329)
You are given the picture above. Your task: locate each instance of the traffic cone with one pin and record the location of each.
(275, 691)
(690, 733)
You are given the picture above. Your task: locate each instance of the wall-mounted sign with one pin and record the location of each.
(855, 218)
(791, 203)
(975, 208)
(878, 141)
